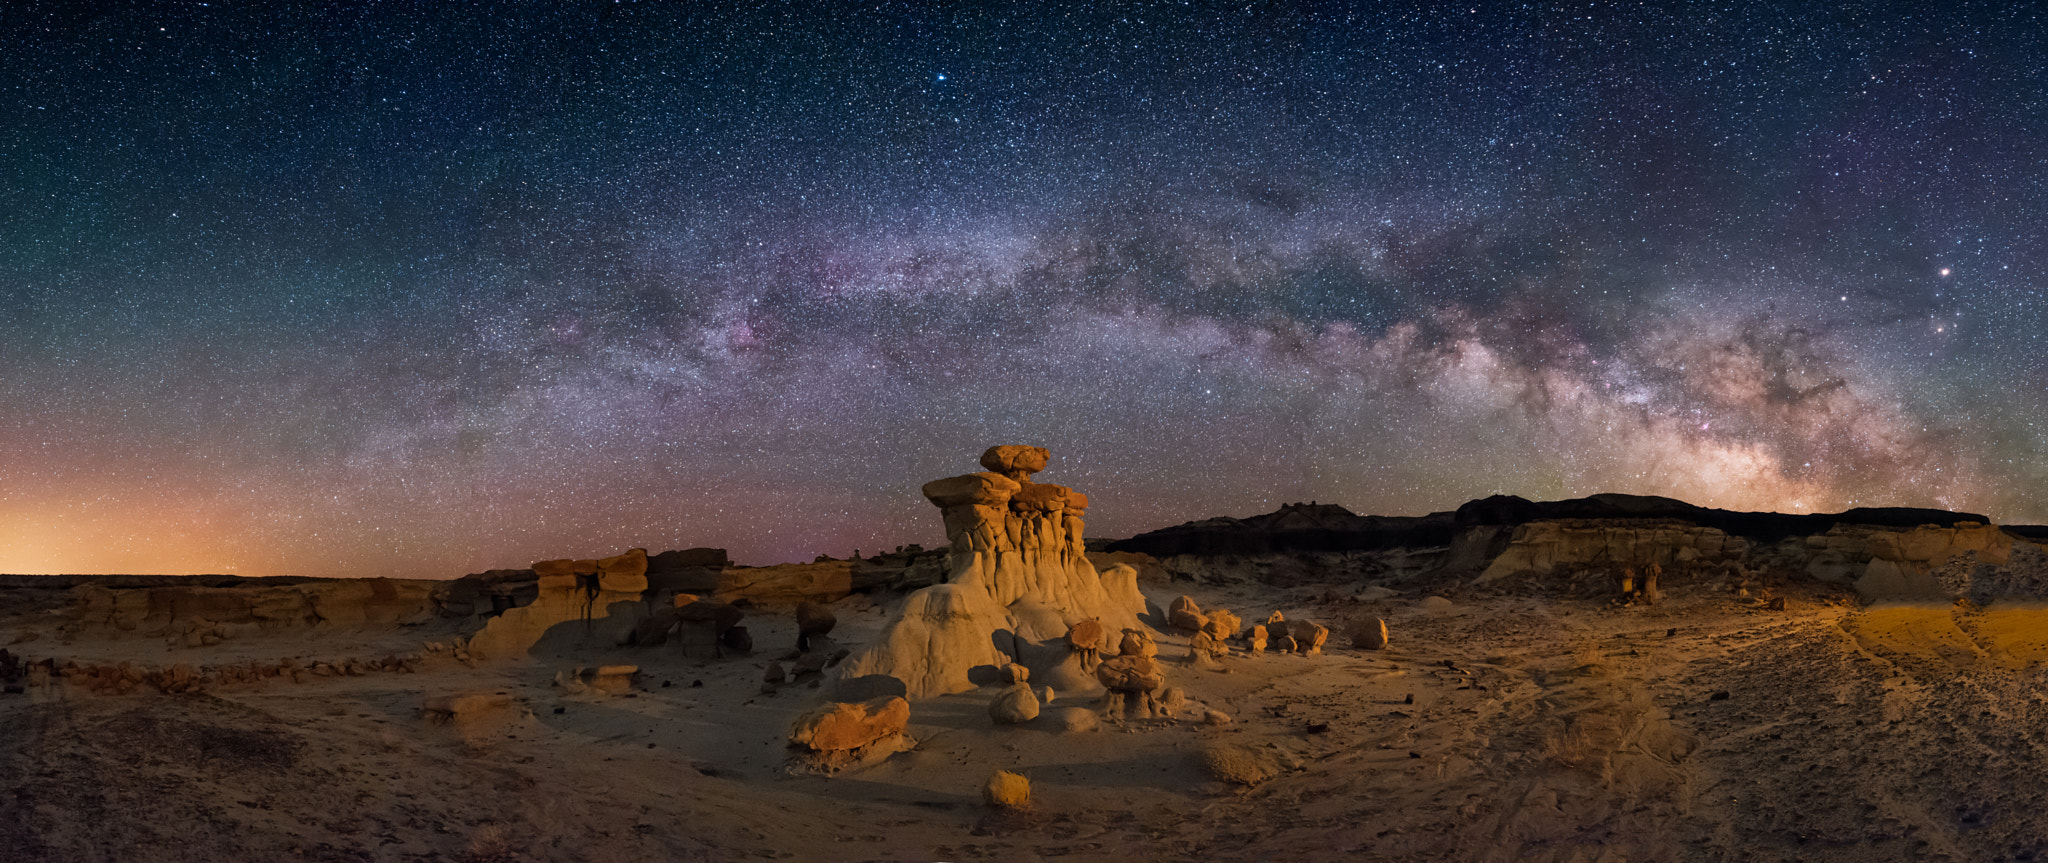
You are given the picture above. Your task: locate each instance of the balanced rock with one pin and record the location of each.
(1016, 462)
(1017, 704)
(1088, 635)
(1007, 790)
(1017, 581)
(1186, 616)
(838, 726)
(1369, 633)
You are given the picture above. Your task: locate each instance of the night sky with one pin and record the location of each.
(419, 290)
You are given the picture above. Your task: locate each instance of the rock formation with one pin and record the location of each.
(601, 596)
(1018, 578)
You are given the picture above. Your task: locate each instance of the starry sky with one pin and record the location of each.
(423, 289)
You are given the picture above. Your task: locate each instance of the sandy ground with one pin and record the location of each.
(1496, 728)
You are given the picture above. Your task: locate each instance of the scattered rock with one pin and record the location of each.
(1308, 637)
(1215, 717)
(1223, 625)
(774, 675)
(1434, 604)
(1007, 790)
(1131, 673)
(1186, 616)
(839, 726)
(1017, 704)
(1369, 633)
(812, 619)
(1255, 638)
(1014, 673)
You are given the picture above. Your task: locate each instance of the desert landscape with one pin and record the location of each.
(1602, 679)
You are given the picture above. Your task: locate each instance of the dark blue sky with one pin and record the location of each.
(419, 289)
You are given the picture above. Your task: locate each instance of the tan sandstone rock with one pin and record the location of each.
(1186, 616)
(1007, 790)
(836, 726)
(1017, 704)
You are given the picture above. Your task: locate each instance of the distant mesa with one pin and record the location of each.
(1885, 553)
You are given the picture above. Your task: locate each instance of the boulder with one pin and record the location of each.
(1017, 704)
(1369, 633)
(1131, 673)
(1255, 638)
(1015, 462)
(812, 620)
(1007, 790)
(1308, 637)
(837, 726)
(1137, 642)
(1186, 616)
(1014, 673)
(1222, 625)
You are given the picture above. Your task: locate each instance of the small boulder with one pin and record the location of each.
(1369, 633)
(1137, 642)
(1014, 673)
(837, 726)
(1308, 637)
(1255, 638)
(1016, 705)
(1223, 625)
(1131, 673)
(812, 620)
(1186, 616)
(1007, 790)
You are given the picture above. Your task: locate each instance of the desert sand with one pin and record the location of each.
(1528, 716)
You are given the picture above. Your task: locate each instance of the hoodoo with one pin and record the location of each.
(1017, 579)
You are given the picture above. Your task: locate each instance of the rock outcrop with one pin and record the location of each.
(597, 600)
(1018, 578)
(1886, 553)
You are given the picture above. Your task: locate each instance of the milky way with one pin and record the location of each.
(419, 290)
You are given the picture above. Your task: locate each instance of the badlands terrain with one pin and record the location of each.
(1613, 678)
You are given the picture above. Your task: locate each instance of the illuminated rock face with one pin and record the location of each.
(1017, 578)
